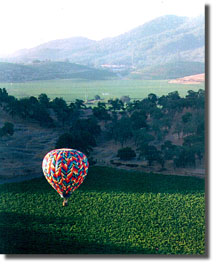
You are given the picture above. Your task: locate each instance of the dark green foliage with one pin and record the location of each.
(122, 130)
(152, 97)
(116, 105)
(186, 117)
(82, 135)
(146, 122)
(186, 158)
(7, 129)
(150, 153)
(27, 108)
(126, 153)
(113, 212)
(138, 119)
(79, 104)
(101, 112)
(171, 102)
(89, 125)
(157, 114)
(3, 95)
(169, 150)
(78, 140)
(196, 142)
(66, 140)
(44, 100)
(141, 136)
(195, 99)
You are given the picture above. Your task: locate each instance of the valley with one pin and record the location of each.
(71, 89)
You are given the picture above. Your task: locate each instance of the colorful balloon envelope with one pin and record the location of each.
(65, 169)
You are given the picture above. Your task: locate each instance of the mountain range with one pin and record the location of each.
(163, 41)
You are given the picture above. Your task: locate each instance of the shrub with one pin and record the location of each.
(126, 153)
(131, 165)
(7, 129)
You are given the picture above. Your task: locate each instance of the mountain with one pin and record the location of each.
(54, 50)
(12, 72)
(167, 39)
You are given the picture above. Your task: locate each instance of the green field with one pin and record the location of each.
(78, 89)
(113, 212)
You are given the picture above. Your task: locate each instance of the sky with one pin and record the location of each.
(28, 23)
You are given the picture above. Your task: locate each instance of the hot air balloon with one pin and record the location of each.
(65, 169)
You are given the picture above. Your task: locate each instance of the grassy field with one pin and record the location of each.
(113, 212)
(78, 89)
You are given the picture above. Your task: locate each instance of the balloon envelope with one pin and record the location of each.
(65, 170)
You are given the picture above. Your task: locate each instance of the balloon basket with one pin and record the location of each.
(65, 202)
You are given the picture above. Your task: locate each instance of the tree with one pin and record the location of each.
(157, 114)
(138, 120)
(122, 130)
(152, 97)
(171, 103)
(79, 140)
(126, 153)
(116, 105)
(169, 150)
(196, 141)
(192, 96)
(159, 129)
(44, 100)
(100, 111)
(90, 125)
(61, 109)
(80, 104)
(132, 106)
(25, 109)
(3, 95)
(43, 117)
(186, 158)
(141, 136)
(13, 107)
(82, 135)
(149, 152)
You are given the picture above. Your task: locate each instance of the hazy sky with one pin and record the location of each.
(28, 23)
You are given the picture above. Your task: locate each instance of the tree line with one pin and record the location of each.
(149, 123)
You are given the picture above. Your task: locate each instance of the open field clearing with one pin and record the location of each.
(113, 212)
(86, 89)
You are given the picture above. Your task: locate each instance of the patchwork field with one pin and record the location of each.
(113, 212)
(86, 89)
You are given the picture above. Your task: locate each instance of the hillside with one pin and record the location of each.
(11, 72)
(169, 70)
(191, 79)
(163, 40)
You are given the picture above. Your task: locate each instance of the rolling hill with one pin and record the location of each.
(11, 72)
